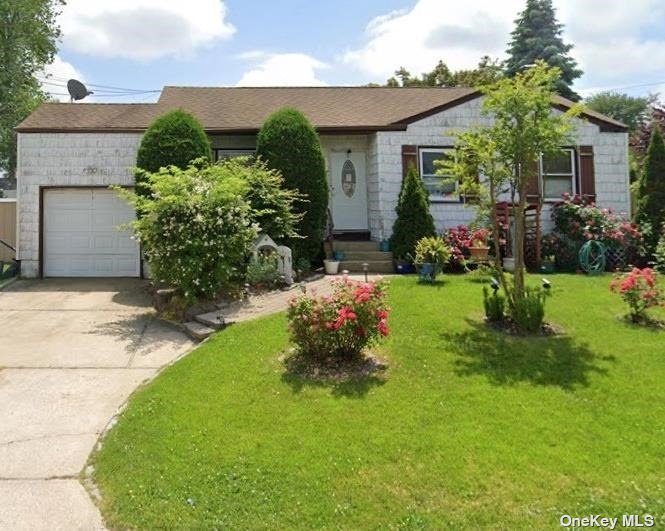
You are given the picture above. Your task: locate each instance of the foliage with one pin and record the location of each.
(288, 143)
(651, 190)
(631, 110)
(175, 138)
(458, 240)
(639, 289)
(28, 42)
(414, 220)
(488, 71)
(263, 270)
(640, 140)
(197, 225)
(432, 250)
(480, 237)
(494, 305)
(528, 312)
(659, 254)
(342, 324)
(537, 37)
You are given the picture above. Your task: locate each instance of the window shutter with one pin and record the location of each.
(409, 158)
(533, 183)
(587, 173)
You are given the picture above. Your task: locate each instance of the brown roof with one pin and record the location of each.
(244, 109)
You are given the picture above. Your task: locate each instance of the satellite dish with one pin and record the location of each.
(77, 90)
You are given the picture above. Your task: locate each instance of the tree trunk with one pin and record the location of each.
(519, 238)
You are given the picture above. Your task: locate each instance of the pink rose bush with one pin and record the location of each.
(639, 289)
(342, 324)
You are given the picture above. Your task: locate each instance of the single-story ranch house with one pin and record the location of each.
(68, 154)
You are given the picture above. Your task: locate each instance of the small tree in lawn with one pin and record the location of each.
(507, 152)
(174, 139)
(288, 143)
(414, 220)
(651, 201)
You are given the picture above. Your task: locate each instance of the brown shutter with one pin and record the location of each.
(533, 183)
(409, 158)
(587, 174)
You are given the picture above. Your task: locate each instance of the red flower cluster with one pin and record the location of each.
(639, 289)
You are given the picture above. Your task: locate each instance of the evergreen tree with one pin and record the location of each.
(651, 200)
(288, 143)
(537, 35)
(414, 220)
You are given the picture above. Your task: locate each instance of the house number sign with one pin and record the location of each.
(348, 178)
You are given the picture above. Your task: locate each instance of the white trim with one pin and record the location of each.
(572, 175)
(8, 199)
(452, 197)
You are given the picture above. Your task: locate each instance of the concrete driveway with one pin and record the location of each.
(71, 352)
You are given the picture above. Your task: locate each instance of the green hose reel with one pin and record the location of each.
(592, 257)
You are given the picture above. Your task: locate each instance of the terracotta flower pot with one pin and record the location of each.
(479, 253)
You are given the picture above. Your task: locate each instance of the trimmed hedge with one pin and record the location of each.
(288, 143)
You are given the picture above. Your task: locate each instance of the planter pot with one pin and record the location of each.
(403, 268)
(427, 272)
(384, 246)
(547, 266)
(331, 266)
(338, 255)
(509, 264)
(479, 253)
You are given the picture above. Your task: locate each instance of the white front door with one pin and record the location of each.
(348, 183)
(81, 235)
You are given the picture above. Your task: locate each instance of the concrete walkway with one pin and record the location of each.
(71, 353)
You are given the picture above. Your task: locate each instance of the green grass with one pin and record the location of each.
(469, 429)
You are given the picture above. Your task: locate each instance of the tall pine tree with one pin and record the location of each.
(651, 202)
(537, 35)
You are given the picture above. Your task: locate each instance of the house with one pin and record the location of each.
(68, 154)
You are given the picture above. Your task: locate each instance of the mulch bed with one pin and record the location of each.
(333, 369)
(508, 326)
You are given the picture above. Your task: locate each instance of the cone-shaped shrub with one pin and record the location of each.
(651, 202)
(414, 220)
(289, 144)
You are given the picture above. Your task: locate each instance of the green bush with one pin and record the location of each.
(414, 220)
(659, 254)
(494, 305)
(289, 144)
(651, 190)
(263, 270)
(174, 139)
(198, 226)
(528, 313)
(432, 250)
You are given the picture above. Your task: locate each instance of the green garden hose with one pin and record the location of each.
(592, 257)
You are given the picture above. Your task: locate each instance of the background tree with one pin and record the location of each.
(651, 190)
(414, 220)
(634, 111)
(640, 140)
(288, 143)
(488, 71)
(537, 35)
(174, 139)
(28, 37)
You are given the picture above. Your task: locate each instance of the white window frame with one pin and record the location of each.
(573, 175)
(232, 152)
(453, 196)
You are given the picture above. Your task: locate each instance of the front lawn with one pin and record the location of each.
(469, 428)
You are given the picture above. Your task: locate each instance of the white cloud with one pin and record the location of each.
(616, 42)
(285, 69)
(55, 77)
(142, 29)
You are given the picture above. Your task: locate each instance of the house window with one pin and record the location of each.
(440, 187)
(221, 154)
(558, 174)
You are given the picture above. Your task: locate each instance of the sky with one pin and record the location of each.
(144, 45)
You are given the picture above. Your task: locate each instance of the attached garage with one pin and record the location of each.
(81, 237)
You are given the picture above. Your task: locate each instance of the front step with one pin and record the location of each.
(374, 266)
(197, 331)
(355, 246)
(368, 256)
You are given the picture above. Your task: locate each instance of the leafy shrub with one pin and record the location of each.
(459, 241)
(198, 226)
(289, 144)
(263, 270)
(651, 189)
(432, 250)
(480, 237)
(577, 221)
(342, 324)
(174, 139)
(659, 254)
(639, 289)
(414, 220)
(528, 313)
(494, 305)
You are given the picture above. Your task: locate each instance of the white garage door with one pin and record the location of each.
(81, 238)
